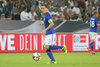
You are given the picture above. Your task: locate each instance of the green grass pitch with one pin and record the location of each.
(70, 60)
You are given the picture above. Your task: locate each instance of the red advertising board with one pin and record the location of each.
(33, 42)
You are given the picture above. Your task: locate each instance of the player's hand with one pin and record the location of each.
(42, 23)
(43, 32)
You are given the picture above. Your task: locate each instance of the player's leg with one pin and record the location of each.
(47, 43)
(55, 47)
(91, 43)
(92, 37)
(50, 55)
(91, 46)
(92, 50)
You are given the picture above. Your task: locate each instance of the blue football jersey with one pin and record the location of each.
(47, 20)
(93, 24)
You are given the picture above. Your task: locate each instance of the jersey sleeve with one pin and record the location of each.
(49, 18)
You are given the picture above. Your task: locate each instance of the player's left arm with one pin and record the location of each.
(51, 24)
(98, 23)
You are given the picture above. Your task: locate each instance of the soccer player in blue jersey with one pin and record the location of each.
(50, 34)
(93, 21)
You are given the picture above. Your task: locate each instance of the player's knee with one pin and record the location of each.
(92, 39)
(47, 47)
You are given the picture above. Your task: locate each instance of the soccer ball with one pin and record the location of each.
(36, 56)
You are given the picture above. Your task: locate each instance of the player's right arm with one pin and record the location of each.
(98, 25)
(87, 22)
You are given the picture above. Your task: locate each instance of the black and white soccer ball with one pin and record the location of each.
(36, 56)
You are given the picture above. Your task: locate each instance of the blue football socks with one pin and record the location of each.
(91, 45)
(49, 53)
(54, 47)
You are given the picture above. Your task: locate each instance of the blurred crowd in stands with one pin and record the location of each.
(70, 10)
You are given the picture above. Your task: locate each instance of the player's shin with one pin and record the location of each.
(49, 53)
(91, 44)
(92, 48)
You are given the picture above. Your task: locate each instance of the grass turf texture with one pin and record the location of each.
(70, 60)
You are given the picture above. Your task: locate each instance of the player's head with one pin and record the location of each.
(95, 13)
(44, 8)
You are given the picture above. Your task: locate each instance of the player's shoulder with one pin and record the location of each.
(96, 18)
(93, 18)
(48, 14)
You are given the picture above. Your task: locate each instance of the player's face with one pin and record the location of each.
(43, 9)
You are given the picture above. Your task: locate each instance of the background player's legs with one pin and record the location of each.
(92, 37)
(91, 45)
(92, 48)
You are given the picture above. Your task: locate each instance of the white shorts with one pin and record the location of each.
(92, 35)
(50, 39)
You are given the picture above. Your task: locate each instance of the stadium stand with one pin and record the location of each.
(72, 10)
